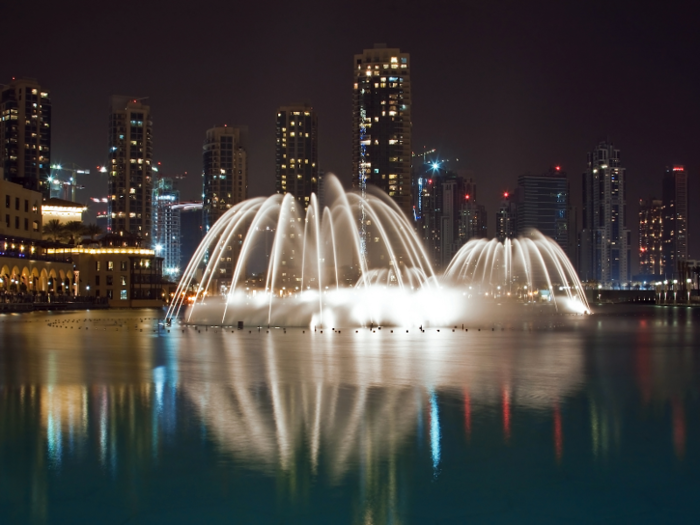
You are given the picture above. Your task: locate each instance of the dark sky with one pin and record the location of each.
(507, 87)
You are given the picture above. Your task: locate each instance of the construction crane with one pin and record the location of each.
(424, 154)
(70, 185)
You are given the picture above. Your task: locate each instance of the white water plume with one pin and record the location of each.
(265, 262)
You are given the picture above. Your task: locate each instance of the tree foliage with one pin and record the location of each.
(71, 232)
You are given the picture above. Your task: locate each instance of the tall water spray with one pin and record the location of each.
(532, 269)
(355, 261)
(267, 263)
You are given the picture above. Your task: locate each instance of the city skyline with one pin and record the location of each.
(509, 109)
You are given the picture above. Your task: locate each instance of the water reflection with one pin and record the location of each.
(381, 416)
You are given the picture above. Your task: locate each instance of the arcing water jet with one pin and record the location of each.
(266, 262)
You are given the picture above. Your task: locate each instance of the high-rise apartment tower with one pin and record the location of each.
(605, 238)
(130, 168)
(675, 219)
(166, 225)
(296, 166)
(25, 134)
(650, 236)
(225, 172)
(543, 204)
(381, 123)
(506, 218)
(449, 215)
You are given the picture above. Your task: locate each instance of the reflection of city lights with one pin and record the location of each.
(434, 432)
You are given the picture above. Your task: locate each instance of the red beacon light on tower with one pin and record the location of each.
(466, 196)
(558, 168)
(505, 194)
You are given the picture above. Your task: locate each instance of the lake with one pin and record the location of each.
(108, 417)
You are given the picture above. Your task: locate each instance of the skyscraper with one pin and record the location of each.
(166, 225)
(605, 239)
(650, 236)
(381, 123)
(506, 218)
(474, 220)
(296, 166)
(225, 172)
(225, 183)
(449, 215)
(191, 231)
(130, 168)
(543, 204)
(25, 134)
(675, 219)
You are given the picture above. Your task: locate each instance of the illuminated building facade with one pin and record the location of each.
(650, 236)
(166, 225)
(447, 215)
(62, 211)
(118, 268)
(473, 220)
(296, 166)
(25, 134)
(543, 204)
(675, 220)
(381, 123)
(20, 211)
(130, 168)
(225, 183)
(506, 218)
(605, 238)
(225, 172)
(190, 229)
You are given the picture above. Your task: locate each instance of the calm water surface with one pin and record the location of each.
(105, 418)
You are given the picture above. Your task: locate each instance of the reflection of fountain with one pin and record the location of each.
(282, 423)
(325, 269)
(267, 403)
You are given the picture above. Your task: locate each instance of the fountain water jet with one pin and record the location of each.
(265, 262)
(531, 268)
(309, 268)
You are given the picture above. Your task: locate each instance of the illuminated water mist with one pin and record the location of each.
(532, 269)
(266, 262)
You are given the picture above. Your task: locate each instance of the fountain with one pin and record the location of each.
(532, 269)
(353, 261)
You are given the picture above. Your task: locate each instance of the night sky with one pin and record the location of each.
(505, 87)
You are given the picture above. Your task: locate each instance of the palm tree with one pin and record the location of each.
(53, 230)
(74, 230)
(93, 230)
